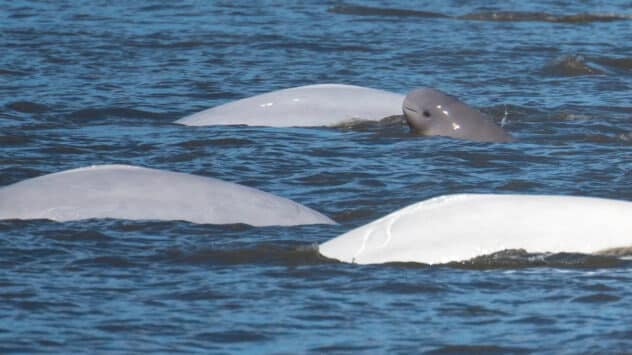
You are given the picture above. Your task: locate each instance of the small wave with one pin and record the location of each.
(27, 107)
(10, 72)
(362, 124)
(509, 16)
(354, 215)
(195, 295)
(462, 310)
(597, 298)
(519, 185)
(615, 63)
(14, 139)
(81, 235)
(102, 262)
(477, 349)
(98, 113)
(315, 46)
(260, 254)
(22, 15)
(160, 7)
(234, 336)
(526, 16)
(349, 9)
(89, 17)
(499, 16)
(171, 44)
(519, 258)
(345, 349)
(225, 142)
(571, 65)
(398, 287)
(64, 149)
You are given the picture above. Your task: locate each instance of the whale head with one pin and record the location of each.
(430, 112)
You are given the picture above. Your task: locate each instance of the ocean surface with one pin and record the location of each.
(100, 82)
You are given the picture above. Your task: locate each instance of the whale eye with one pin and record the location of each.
(426, 113)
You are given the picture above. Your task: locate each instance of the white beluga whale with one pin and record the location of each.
(456, 228)
(304, 106)
(137, 193)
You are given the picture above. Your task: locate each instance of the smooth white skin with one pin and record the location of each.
(460, 227)
(129, 192)
(304, 106)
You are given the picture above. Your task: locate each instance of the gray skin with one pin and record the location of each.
(430, 112)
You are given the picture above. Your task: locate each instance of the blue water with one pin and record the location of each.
(84, 82)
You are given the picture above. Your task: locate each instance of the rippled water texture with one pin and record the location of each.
(86, 82)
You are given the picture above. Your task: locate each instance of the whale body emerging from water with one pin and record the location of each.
(427, 111)
(130, 192)
(304, 106)
(431, 112)
(461, 227)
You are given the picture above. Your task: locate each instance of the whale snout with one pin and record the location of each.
(415, 118)
(408, 109)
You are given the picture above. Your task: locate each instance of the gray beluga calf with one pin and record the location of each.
(431, 112)
(460, 227)
(303, 106)
(135, 193)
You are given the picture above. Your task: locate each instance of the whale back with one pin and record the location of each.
(129, 192)
(304, 106)
(434, 113)
(461, 227)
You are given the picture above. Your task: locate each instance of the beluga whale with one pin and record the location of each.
(454, 228)
(427, 111)
(138, 193)
(325, 105)
(431, 112)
